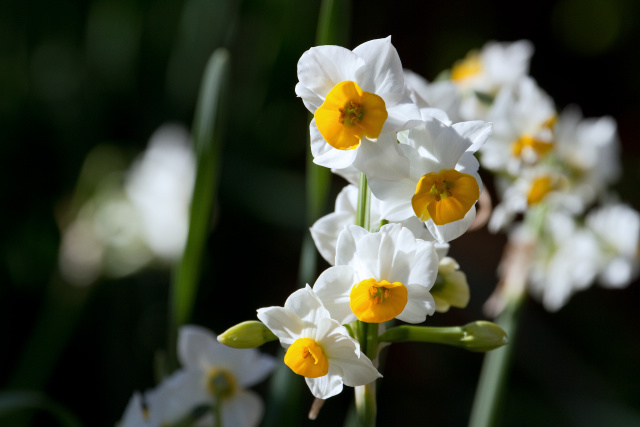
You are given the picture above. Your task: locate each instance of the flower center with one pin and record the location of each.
(349, 114)
(305, 357)
(528, 143)
(467, 67)
(221, 383)
(377, 302)
(445, 196)
(540, 188)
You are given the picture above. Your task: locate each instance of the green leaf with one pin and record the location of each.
(14, 401)
(207, 135)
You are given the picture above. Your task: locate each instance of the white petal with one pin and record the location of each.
(333, 287)
(325, 386)
(476, 132)
(321, 68)
(284, 323)
(448, 232)
(402, 113)
(306, 305)
(243, 409)
(383, 64)
(345, 358)
(325, 232)
(197, 347)
(381, 159)
(420, 304)
(346, 247)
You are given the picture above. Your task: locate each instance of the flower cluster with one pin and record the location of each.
(550, 169)
(420, 175)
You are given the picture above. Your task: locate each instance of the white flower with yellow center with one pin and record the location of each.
(217, 375)
(354, 97)
(589, 151)
(523, 118)
(481, 75)
(318, 347)
(326, 230)
(379, 276)
(441, 184)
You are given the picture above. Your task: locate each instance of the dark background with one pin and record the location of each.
(77, 74)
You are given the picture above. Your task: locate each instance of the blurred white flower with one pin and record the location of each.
(523, 116)
(134, 218)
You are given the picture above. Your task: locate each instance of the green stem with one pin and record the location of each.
(477, 336)
(364, 202)
(368, 332)
(495, 368)
(366, 404)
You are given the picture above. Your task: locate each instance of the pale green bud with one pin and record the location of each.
(483, 336)
(249, 334)
(475, 336)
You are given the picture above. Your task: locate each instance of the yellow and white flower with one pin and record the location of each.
(213, 377)
(379, 276)
(482, 74)
(354, 96)
(318, 347)
(441, 184)
(523, 117)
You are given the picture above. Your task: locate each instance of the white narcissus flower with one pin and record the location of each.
(589, 151)
(523, 117)
(354, 96)
(326, 230)
(494, 67)
(441, 183)
(318, 347)
(379, 276)
(214, 373)
(617, 228)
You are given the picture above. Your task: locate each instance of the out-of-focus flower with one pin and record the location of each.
(318, 347)
(379, 276)
(482, 74)
(355, 96)
(135, 218)
(617, 228)
(523, 116)
(441, 183)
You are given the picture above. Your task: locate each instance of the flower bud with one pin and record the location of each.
(249, 334)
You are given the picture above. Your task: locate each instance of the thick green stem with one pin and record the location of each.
(495, 368)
